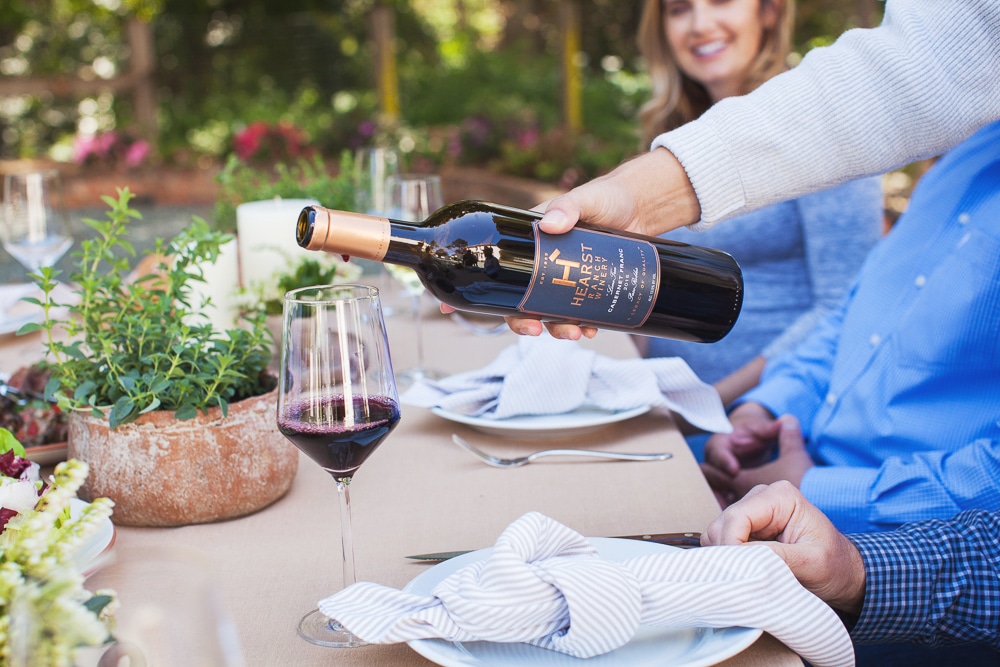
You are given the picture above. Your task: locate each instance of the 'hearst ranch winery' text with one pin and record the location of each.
(593, 277)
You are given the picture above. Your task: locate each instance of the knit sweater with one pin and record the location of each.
(877, 99)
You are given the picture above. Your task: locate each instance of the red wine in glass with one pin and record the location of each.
(318, 429)
(337, 402)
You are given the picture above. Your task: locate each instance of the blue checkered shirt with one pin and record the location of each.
(932, 582)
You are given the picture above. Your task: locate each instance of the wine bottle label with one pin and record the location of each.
(593, 277)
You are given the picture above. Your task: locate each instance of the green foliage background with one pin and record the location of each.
(222, 64)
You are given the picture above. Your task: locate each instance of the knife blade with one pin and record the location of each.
(682, 540)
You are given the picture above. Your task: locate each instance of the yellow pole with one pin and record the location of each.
(386, 74)
(569, 12)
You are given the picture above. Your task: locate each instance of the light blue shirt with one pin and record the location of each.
(798, 258)
(898, 390)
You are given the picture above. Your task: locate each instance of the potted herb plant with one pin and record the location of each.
(174, 418)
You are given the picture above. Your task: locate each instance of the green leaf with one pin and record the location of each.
(155, 403)
(83, 390)
(28, 328)
(9, 442)
(186, 412)
(97, 603)
(121, 411)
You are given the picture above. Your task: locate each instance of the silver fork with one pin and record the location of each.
(498, 462)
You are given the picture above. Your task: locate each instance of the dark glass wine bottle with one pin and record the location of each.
(493, 259)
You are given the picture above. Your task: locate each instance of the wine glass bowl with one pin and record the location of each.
(412, 198)
(337, 401)
(34, 229)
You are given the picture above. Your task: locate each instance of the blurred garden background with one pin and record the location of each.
(545, 90)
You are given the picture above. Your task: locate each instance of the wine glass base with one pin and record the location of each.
(407, 379)
(316, 628)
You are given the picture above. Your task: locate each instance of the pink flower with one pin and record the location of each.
(137, 153)
(247, 141)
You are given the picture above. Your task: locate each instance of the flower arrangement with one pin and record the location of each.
(110, 149)
(45, 611)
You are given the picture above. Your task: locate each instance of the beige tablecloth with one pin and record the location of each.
(420, 493)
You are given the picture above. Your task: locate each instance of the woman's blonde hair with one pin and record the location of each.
(677, 98)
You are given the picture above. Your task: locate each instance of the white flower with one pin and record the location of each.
(18, 495)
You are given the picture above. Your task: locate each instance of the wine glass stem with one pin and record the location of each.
(418, 333)
(346, 534)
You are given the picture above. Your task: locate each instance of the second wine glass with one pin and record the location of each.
(412, 198)
(34, 227)
(337, 401)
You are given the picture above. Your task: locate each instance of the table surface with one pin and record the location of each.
(420, 493)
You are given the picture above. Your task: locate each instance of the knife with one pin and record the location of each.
(682, 540)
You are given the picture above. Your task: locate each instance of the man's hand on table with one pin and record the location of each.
(738, 461)
(820, 557)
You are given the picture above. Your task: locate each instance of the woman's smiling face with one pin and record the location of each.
(715, 41)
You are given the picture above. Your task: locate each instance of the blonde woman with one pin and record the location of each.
(798, 256)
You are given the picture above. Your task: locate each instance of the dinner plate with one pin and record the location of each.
(564, 425)
(659, 647)
(97, 543)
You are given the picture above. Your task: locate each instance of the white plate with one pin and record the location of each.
(96, 544)
(659, 647)
(565, 425)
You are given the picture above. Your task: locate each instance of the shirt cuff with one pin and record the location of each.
(783, 395)
(713, 176)
(899, 578)
(843, 493)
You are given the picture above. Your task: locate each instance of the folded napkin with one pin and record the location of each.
(544, 375)
(544, 584)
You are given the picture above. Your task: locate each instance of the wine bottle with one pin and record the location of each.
(493, 259)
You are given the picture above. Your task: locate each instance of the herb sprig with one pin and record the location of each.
(132, 346)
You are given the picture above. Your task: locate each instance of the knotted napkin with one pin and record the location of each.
(544, 376)
(544, 584)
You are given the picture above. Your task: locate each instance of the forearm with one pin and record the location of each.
(740, 381)
(933, 582)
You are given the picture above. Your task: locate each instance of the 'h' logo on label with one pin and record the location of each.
(567, 267)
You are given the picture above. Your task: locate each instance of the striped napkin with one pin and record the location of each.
(544, 584)
(546, 376)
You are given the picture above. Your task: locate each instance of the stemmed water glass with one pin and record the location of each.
(34, 229)
(337, 401)
(412, 198)
(372, 166)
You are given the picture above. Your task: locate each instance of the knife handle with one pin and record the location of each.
(682, 540)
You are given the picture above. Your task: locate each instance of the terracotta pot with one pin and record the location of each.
(163, 472)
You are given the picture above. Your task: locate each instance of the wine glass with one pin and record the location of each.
(372, 166)
(337, 401)
(412, 198)
(34, 229)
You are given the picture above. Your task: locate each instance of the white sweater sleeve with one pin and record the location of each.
(877, 99)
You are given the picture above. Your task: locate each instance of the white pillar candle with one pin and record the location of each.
(221, 282)
(266, 234)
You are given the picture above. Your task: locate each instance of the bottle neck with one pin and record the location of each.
(351, 234)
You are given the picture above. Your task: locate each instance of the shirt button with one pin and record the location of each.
(831, 398)
(920, 281)
(963, 219)
(875, 340)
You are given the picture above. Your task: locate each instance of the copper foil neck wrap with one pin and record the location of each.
(352, 234)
